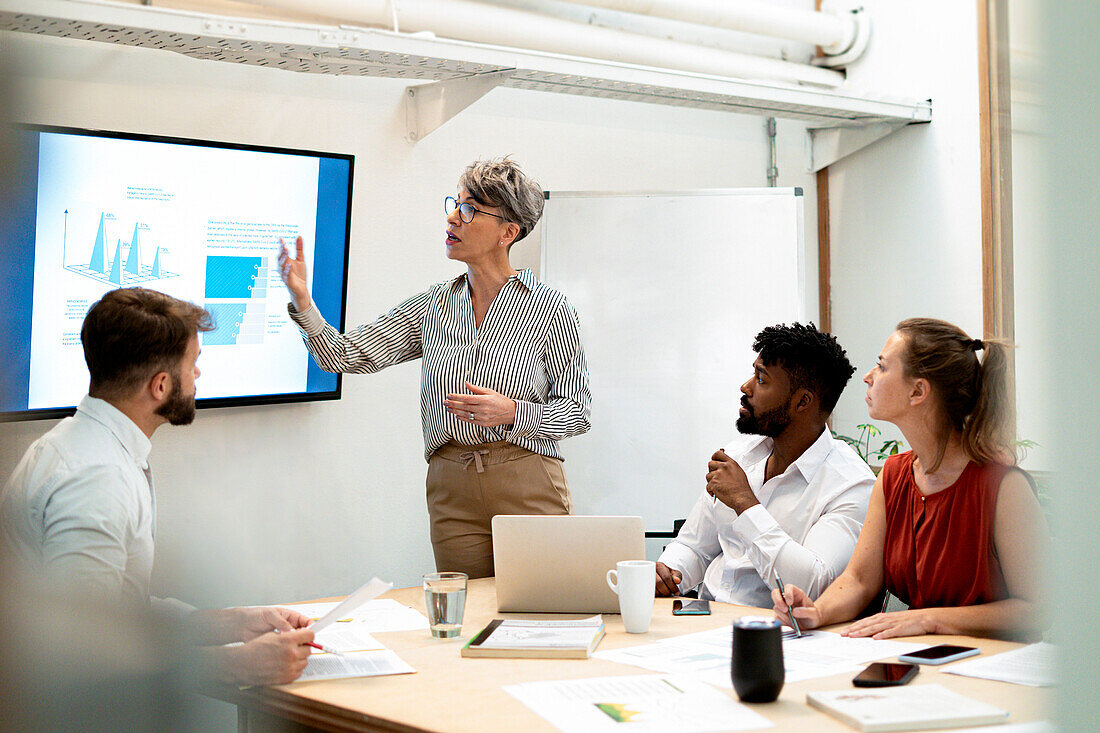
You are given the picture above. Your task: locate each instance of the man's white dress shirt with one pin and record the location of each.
(80, 506)
(806, 525)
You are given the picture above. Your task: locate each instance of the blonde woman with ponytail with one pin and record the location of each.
(953, 528)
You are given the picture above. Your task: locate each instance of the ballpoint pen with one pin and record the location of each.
(790, 611)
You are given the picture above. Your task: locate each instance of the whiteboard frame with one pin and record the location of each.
(800, 246)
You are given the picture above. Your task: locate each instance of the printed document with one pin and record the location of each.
(355, 664)
(636, 704)
(378, 616)
(1031, 665)
(706, 655)
(346, 638)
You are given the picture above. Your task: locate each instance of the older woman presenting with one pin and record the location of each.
(503, 374)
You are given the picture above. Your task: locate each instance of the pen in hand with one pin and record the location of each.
(319, 647)
(790, 611)
(326, 649)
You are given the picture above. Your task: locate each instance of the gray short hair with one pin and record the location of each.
(499, 182)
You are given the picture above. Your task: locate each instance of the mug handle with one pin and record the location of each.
(614, 586)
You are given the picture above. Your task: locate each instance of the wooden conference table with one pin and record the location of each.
(452, 693)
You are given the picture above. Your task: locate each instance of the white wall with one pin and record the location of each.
(275, 503)
(906, 212)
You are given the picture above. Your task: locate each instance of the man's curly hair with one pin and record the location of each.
(812, 359)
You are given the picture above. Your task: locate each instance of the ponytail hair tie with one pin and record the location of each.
(977, 345)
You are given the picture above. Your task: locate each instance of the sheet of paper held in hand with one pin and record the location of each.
(354, 664)
(645, 703)
(379, 615)
(1031, 665)
(355, 634)
(373, 588)
(706, 655)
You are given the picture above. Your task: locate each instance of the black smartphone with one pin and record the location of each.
(939, 654)
(885, 674)
(691, 608)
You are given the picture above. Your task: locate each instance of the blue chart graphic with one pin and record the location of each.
(236, 296)
(116, 271)
(236, 277)
(237, 323)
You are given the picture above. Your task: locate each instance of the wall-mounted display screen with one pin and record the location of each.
(88, 211)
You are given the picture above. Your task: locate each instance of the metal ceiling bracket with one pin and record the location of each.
(427, 106)
(827, 145)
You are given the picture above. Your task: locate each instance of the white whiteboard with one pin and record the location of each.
(670, 289)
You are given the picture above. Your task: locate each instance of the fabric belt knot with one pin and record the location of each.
(474, 456)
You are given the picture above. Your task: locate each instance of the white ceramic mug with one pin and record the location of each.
(634, 583)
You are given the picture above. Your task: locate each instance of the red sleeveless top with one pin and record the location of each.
(939, 548)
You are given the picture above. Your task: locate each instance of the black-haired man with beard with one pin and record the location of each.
(80, 511)
(785, 496)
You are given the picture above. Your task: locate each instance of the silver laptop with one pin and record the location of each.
(558, 564)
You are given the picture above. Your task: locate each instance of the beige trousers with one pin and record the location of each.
(470, 484)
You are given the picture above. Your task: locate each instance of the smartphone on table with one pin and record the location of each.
(940, 654)
(691, 608)
(885, 674)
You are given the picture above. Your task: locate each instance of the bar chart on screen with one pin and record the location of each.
(134, 261)
(236, 297)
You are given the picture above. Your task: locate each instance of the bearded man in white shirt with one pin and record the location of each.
(80, 509)
(783, 498)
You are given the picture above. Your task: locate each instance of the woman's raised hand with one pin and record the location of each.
(293, 271)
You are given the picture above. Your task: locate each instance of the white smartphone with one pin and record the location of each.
(941, 654)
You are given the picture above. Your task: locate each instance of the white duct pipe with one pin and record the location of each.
(480, 23)
(834, 33)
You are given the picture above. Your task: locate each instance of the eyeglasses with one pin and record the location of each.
(466, 210)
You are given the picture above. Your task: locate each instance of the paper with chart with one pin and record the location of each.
(354, 664)
(706, 655)
(1032, 665)
(636, 703)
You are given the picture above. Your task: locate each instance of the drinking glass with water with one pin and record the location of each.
(445, 600)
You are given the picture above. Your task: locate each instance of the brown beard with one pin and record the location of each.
(178, 409)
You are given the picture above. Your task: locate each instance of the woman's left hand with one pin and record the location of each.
(894, 623)
(484, 407)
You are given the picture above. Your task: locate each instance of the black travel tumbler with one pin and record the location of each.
(756, 667)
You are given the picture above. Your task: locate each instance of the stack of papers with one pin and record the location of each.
(706, 655)
(345, 626)
(1031, 665)
(647, 703)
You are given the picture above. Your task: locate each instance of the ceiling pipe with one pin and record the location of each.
(499, 26)
(834, 33)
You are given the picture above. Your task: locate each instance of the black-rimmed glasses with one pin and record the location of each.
(466, 210)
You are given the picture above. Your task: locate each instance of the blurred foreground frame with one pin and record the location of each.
(79, 663)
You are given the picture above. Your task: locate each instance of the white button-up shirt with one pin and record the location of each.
(805, 526)
(80, 506)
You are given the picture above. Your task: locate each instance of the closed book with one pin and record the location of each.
(914, 707)
(537, 639)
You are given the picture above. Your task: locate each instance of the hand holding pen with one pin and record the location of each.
(809, 616)
(790, 611)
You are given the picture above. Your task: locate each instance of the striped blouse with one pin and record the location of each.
(528, 348)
